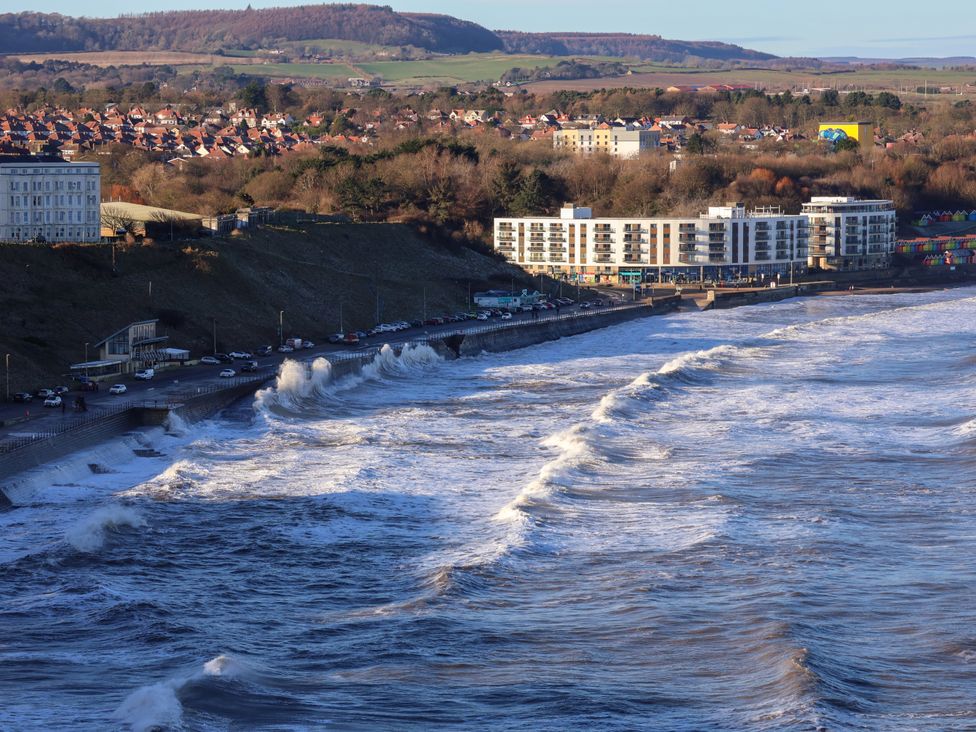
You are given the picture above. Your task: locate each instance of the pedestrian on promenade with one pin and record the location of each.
(63, 407)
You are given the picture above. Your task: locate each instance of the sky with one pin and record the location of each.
(889, 29)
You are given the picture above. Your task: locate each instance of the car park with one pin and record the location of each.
(264, 350)
(145, 374)
(223, 358)
(227, 373)
(249, 366)
(210, 360)
(285, 349)
(117, 389)
(482, 316)
(53, 401)
(307, 344)
(23, 396)
(361, 334)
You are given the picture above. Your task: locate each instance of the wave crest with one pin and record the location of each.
(89, 534)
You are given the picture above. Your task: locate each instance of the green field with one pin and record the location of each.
(454, 69)
(297, 71)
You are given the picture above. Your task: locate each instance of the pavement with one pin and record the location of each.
(23, 420)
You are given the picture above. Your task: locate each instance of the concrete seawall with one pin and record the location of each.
(193, 407)
(722, 299)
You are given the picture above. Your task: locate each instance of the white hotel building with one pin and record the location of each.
(44, 199)
(846, 233)
(726, 242)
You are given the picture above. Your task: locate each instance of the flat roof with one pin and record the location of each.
(22, 160)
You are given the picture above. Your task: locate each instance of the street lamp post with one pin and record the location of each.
(214, 335)
(86, 361)
(281, 327)
(7, 371)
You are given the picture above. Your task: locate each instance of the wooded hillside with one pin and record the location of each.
(213, 30)
(652, 48)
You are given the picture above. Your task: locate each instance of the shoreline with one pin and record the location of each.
(454, 346)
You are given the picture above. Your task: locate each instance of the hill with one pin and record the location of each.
(648, 47)
(55, 299)
(213, 30)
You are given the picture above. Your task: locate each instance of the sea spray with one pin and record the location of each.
(88, 535)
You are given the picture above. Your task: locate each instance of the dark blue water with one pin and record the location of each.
(756, 519)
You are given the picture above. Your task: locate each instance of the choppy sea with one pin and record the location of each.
(752, 519)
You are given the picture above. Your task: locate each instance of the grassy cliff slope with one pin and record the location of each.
(55, 299)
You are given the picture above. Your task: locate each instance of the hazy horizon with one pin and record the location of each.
(856, 31)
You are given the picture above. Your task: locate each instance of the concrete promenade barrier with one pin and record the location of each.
(720, 299)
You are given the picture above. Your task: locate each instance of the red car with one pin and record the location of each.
(350, 339)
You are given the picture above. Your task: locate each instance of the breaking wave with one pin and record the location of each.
(300, 383)
(89, 534)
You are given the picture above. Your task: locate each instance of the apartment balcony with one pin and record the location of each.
(603, 259)
(602, 228)
(557, 257)
(687, 246)
(634, 229)
(536, 258)
(875, 250)
(603, 249)
(505, 247)
(536, 248)
(634, 259)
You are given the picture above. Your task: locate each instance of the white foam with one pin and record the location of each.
(156, 707)
(88, 535)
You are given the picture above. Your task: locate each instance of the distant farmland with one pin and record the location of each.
(651, 76)
(134, 58)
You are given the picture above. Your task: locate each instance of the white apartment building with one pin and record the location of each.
(620, 142)
(726, 242)
(846, 233)
(45, 199)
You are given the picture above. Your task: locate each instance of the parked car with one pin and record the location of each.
(145, 374)
(117, 389)
(482, 316)
(416, 323)
(264, 350)
(227, 373)
(350, 339)
(249, 366)
(361, 334)
(61, 390)
(210, 360)
(53, 401)
(23, 396)
(584, 305)
(336, 337)
(308, 344)
(506, 316)
(44, 393)
(223, 358)
(285, 349)
(88, 386)
(241, 355)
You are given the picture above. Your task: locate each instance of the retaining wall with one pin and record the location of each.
(722, 299)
